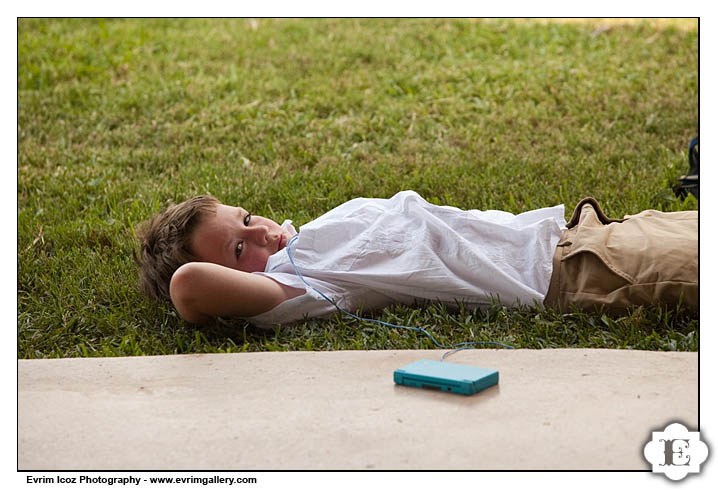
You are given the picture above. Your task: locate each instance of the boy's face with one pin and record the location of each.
(235, 239)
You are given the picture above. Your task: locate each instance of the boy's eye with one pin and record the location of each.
(238, 250)
(247, 218)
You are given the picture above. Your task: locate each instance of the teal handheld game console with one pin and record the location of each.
(446, 376)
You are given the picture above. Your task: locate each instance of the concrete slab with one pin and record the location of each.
(552, 409)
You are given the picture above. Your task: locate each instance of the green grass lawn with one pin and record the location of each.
(290, 118)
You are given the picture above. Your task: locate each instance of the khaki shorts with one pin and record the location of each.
(650, 258)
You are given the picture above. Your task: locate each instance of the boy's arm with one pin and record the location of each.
(202, 290)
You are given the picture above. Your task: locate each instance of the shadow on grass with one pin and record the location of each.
(657, 328)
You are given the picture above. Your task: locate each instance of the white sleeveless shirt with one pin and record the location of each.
(370, 253)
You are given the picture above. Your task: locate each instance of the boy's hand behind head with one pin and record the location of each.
(165, 243)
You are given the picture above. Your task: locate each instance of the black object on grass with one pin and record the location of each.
(689, 182)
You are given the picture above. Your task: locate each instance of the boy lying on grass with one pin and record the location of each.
(213, 260)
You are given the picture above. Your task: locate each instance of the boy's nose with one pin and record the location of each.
(261, 235)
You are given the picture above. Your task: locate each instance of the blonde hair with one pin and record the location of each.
(165, 243)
